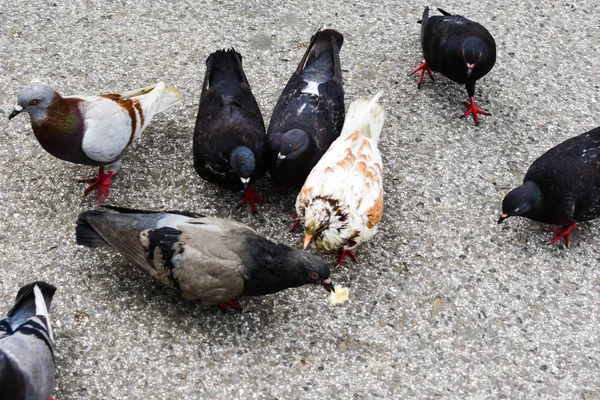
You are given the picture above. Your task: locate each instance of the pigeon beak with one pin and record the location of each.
(327, 284)
(17, 109)
(470, 69)
(280, 158)
(307, 239)
(502, 217)
(245, 182)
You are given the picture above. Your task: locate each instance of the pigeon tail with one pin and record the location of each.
(170, 97)
(366, 117)
(84, 233)
(31, 300)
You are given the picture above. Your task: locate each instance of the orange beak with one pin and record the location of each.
(307, 239)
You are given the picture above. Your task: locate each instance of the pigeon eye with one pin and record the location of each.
(33, 102)
(314, 275)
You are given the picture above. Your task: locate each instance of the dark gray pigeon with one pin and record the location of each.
(461, 49)
(26, 345)
(309, 114)
(561, 187)
(211, 260)
(229, 137)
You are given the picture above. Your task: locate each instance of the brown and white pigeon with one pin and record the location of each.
(341, 201)
(92, 130)
(212, 260)
(26, 345)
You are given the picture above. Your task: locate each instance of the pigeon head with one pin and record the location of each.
(523, 201)
(293, 143)
(35, 100)
(317, 218)
(273, 267)
(472, 51)
(242, 161)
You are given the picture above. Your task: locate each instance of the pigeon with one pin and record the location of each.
(27, 361)
(561, 187)
(92, 130)
(309, 114)
(229, 137)
(212, 260)
(461, 49)
(341, 201)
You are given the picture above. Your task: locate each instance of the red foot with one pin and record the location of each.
(423, 67)
(251, 196)
(343, 256)
(102, 182)
(231, 303)
(562, 233)
(296, 222)
(52, 398)
(472, 109)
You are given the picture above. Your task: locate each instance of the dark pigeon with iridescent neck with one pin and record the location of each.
(461, 49)
(26, 345)
(562, 187)
(92, 130)
(212, 260)
(229, 137)
(309, 114)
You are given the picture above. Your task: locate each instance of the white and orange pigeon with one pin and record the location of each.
(341, 201)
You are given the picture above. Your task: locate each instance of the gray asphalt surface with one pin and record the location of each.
(444, 303)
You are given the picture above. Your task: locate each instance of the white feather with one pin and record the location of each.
(41, 309)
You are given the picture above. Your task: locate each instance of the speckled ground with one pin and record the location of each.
(444, 303)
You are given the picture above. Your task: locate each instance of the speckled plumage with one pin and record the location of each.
(92, 130)
(26, 345)
(211, 260)
(341, 201)
(562, 186)
(309, 114)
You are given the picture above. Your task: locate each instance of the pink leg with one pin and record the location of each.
(296, 222)
(252, 197)
(472, 109)
(343, 256)
(102, 182)
(423, 67)
(562, 233)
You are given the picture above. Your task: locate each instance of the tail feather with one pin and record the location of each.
(31, 300)
(85, 235)
(366, 116)
(170, 97)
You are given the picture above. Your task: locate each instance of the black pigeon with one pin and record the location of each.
(211, 260)
(26, 345)
(562, 187)
(229, 137)
(463, 50)
(309, 114)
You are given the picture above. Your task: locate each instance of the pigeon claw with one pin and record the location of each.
(423, 68)
(231, 303)
(102, 182)
(472, 109)
(343, 256)
(252, 197)
(562, 233)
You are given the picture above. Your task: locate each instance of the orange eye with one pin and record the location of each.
(314, 275)
(33, 102)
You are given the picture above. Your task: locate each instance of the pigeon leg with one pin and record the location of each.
(423, 67)
(231, 303)
(472, 109)
(252, 197)
(102, 182)
(343, 256)
(296, 222)
(562, 233)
